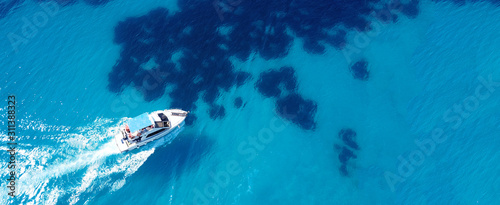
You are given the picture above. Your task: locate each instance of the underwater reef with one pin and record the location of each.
(190, 49)
(360, 71)
(281, 85)
(347, 151)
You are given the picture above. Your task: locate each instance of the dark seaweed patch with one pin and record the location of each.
(343, 170)
(348, 136)
(271, 83)
(345, 155)
(238, 102)
(360, 71)
(338, 39)
(298, 110)
(211, 94)
(395, 18)
(206, 35)
(281, 84)
(346, 151)
(313, 47)
(96, 2)
(217, 111)
(411, 9)
(200, 67)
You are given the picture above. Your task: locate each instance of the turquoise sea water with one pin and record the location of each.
(426, 117)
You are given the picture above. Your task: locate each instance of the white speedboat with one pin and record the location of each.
(148, 127)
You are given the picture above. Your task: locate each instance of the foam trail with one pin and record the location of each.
(29, 181)
(74, 161)
(42, 160)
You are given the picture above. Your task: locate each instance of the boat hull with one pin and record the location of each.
(176, 118)
(160, 139)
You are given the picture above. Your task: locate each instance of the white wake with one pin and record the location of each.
(57, 161)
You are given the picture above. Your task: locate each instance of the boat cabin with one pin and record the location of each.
(160, 120)
(145, 125)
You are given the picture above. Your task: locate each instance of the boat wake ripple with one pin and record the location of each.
(58, 163)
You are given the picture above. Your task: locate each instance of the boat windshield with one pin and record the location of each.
(162, 117)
